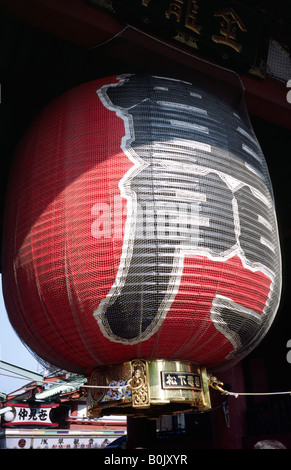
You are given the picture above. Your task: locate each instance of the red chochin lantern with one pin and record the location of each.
(140, 224)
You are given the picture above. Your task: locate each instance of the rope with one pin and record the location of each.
(105, 386)
(237, 394)
(64, 382)
(121, 387)
(214, 383)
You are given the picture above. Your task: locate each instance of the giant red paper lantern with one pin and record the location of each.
(140, 223)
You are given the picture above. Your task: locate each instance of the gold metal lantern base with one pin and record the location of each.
(147, 388)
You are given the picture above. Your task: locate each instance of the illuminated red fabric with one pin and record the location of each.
(64, 236)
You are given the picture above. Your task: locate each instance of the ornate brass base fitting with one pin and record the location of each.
(149, 388)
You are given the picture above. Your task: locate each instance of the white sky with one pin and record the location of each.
(13, 351)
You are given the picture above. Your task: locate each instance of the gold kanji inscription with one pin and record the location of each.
(175, 9)
(191, 17)
(230, 22)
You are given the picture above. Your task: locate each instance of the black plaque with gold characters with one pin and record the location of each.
(176, 380)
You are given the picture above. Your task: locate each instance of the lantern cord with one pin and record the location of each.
(64, 382)
(128, 26)
(236, 395)
(121, 387)
(216, 385)
(106, 386)
(110, 39)
(224, 392)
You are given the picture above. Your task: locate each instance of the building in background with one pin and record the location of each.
(52, 414)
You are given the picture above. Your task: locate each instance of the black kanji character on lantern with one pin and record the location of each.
(190, 162)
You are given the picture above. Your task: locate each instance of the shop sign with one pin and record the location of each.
(25, 414)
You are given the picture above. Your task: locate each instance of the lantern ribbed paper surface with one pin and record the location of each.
(140, 223)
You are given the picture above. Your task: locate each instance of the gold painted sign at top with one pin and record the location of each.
(230, 22)
(225, 31)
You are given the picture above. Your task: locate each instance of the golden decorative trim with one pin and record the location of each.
(138, 384)
(215, 384)
(150, 388)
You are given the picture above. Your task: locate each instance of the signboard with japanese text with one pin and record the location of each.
(225, 31)
(182, 380)
(38, 414)
(57, 439)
